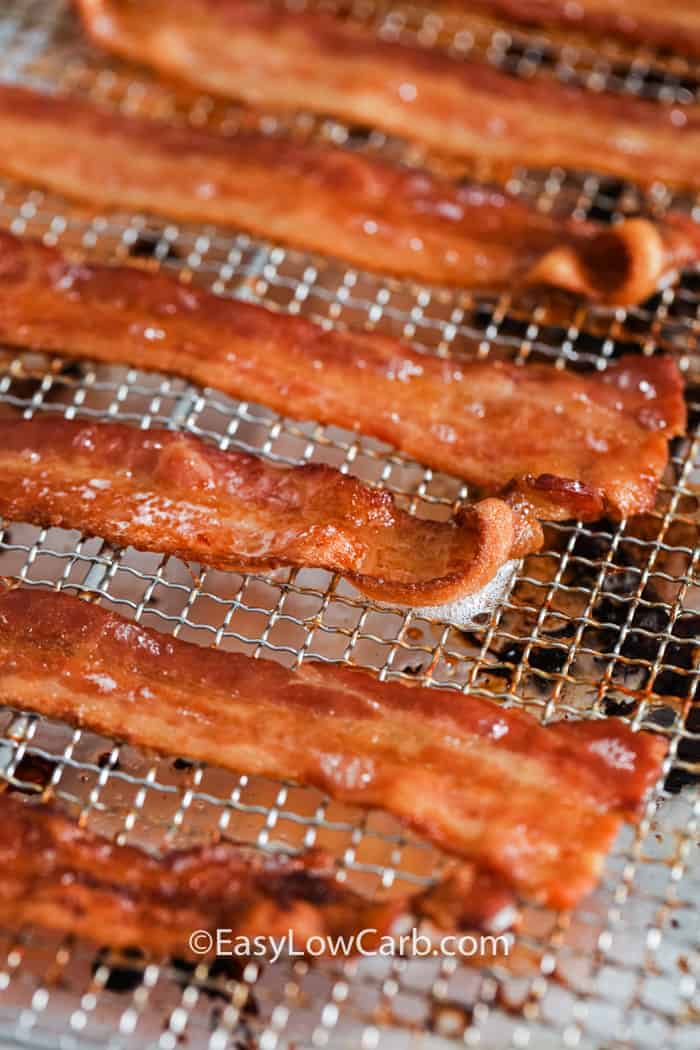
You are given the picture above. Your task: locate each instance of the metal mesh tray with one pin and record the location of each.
(604, 620)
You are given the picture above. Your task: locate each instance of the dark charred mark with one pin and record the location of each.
(692, 392)
(182, 763)
(611, 188)
(300, 885)
(220, 973)
(152, 246)
(688, 751)
(359, 135)
(413, 669)
(619, 707)
(122, 977)
(104, 760)
(33, 769)
(72, 369)
(601, 211)
(645, 622)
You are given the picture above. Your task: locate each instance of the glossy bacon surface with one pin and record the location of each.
(359, 208)
(170, 492)
(56, 874)
(270, 56)
(586, 443)
(538, 807)
(673, 26)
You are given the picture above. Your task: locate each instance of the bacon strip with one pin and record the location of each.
(58, 875)
(318, 197)
(671, 27)
(271, 57)
(169, 492)
(538, 807)
(576, 445)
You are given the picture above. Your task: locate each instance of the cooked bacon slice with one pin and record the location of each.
(538, 807)
(59, 875)
(170, 492)
(577, 445)
(671, 27)
(271, 57)
(361, 209)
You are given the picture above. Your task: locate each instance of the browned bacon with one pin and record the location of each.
(538, 807)
(170, 492)
(55, 873)
(576, 445)
(671, 27)
(269, 56)
(361, 209)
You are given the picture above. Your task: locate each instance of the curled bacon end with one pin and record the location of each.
(172, 493)
(620, 266)
(356, 207)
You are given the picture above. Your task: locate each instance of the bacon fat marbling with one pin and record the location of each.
(272, 57)
(359, 208)
(165, 491)
(578, 445)
(537, 807)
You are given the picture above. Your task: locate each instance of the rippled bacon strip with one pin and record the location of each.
(269, 56)
(56, 874)
(673, 26)
(575, 445)
(538, 807)
(169, 492)
(319, 197)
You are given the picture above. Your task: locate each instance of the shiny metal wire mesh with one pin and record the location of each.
(604, 620)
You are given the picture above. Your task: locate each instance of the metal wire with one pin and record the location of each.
(604, 620)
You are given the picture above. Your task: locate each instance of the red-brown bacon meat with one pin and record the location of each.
(272, 57)
(164, 491)
(574, 445)
(61, 876)
(361, 209)
(537, 807)
(673, 27)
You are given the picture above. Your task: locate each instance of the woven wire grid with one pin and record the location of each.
(604, 620)
(610, 64)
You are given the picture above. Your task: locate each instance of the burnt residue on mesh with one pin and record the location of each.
(549, 660)
(33, 769)
(629, 630)
(688, 753)
(220, 973)
(105, 761)
(692, 394)
(123, 977)
(182, 764)
(153, 246)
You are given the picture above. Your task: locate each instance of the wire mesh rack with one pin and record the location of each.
(605, 620)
